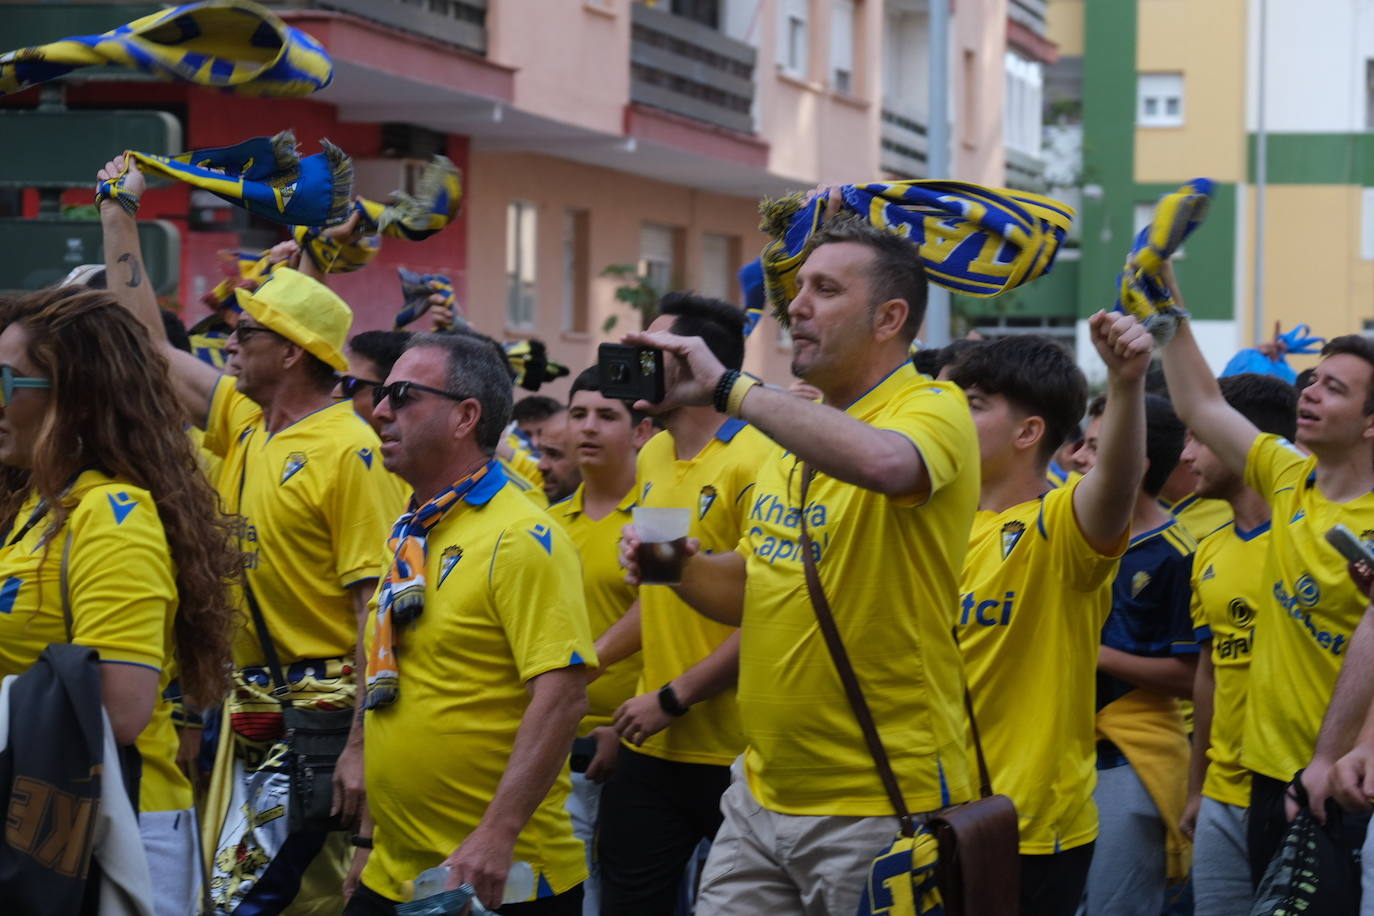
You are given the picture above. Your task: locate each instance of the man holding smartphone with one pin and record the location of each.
(896, 462)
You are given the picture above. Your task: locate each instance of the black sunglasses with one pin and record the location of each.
(402, 393)
(349, 385)
(243, 332)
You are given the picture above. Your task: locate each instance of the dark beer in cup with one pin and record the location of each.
(661, 562)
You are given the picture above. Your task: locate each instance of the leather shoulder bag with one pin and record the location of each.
(979, 868)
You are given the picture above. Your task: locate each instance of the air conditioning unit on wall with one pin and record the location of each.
(375, 179)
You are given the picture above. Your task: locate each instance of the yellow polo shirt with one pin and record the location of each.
(1310, 612)
(1035, 597)
(716, 484)
(534, 492)
(890, 568)
(1226, 596)
(608, 597)
(317, 508)
(122, 589)
(503, 604)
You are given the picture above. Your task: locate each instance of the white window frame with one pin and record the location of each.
(522, 252)
(794, 37)
(1154, 93)
(842, 28)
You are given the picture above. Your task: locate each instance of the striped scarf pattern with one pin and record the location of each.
(401, 600)
(530, 362)
(972, 240)
(416, 288)
(437, 199)
(1140, 291)
(902, 880)
(233, 45)
(265, 175)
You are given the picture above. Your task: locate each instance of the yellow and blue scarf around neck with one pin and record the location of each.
(234, 45)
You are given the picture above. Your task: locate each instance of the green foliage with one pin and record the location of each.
(636, 291)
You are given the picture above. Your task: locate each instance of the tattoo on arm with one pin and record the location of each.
(135, 272)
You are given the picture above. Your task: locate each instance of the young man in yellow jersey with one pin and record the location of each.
(301, 470)
(1226, 596)
(607, 435)
(1037, 587)
(1297, 716)
(889, 512)
(476, 652)
(557, 461)
(682, 729)
(1145, 667)
(370, 355)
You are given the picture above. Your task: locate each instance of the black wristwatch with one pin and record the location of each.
(361, 842)
(668, 701)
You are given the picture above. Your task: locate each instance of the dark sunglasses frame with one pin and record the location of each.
(242, 332)
(399, 393)
(349, 385)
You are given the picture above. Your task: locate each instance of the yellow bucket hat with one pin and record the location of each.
(304, 311)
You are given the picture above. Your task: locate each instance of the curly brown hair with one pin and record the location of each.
(113, 407)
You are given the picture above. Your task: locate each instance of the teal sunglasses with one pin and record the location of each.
(9, 382)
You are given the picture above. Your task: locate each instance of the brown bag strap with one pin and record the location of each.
(825, 618)
(845, 668)
(64, 583)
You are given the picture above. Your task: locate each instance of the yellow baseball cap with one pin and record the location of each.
(304, 311)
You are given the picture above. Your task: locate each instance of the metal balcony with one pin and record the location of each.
(689, 69)
(1030, 13)
(904, 144)
(462, 23)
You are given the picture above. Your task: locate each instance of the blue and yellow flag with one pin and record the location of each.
(972, 240)
(264, 175)
(1140, 291)
(902, 879)
(416, 288)
(234, 45)
(438, 195)
(242, 270)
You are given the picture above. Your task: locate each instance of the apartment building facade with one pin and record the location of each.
(592, 134)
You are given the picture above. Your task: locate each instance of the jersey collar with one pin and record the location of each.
(878, 394)
(1149, 534)
(573, 504)
(730, 429)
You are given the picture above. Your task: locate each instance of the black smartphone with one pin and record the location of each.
(583, 750)
(630, 373)
(1350, 547)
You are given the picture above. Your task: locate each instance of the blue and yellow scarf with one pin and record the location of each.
(234, 45)
(264, 175)
(417, 288)
(401, 600)
(1139, 289)
(972, 240)
(529, 362)
(438, 196)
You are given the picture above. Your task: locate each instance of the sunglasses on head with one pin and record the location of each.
(350, 385)
(402, 393)
(9, 382)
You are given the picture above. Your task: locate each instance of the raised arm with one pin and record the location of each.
(1100, 502)
(127, 279)
(830, 440)
(1197, 396)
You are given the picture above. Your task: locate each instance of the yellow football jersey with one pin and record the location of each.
(317, 507)
(1035, 596)
(1311, 608)
(534, 492)
(890, 568)
(607, 594)
(503, 604)
(122, 588)
(1200, 516)
(716, 484)
(1226, 597)
(524, 463)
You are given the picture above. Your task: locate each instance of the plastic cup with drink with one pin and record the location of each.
(662, 550)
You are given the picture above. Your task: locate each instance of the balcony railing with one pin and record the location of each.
(462, 23)
(904, 144)
(1030, 13)
(1024, 172)
(689, 69)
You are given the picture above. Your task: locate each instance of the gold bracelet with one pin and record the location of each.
(735, 402)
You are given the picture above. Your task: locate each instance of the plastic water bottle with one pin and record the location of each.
(519, 883)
